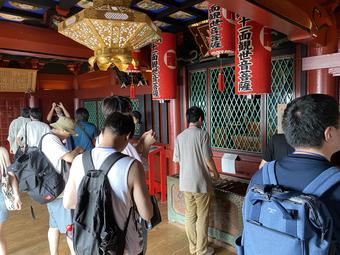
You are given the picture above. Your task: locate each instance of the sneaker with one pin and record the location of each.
(210, 251)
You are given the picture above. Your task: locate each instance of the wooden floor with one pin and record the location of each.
(26, 236)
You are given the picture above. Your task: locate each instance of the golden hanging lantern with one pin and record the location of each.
(112, 30)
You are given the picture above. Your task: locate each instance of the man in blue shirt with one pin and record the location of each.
(86, 131)
(311, 125)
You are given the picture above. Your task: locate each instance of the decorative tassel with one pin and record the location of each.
(132, 91)
(220, 81)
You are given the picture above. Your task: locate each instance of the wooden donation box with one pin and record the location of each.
(225, 223)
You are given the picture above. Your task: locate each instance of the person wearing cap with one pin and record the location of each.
(55, 151)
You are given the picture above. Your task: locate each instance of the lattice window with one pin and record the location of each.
(282, 89)
(198, 91)
(95, 110)
(135, 104)
(234, 120)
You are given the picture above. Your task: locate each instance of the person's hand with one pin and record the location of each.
(61, 105)
(79, 150)
(17, 203)
(149, 138)
(54, 105)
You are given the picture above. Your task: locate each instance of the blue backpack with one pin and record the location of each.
(285, 222)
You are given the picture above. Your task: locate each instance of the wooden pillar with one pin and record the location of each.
(174, 113)
(33, 101)
(320, 81)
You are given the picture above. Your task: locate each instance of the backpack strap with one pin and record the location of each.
(323, 182)
(40, 143)
(106, 165)
(268, 173)
(110, 161)
(87, 161)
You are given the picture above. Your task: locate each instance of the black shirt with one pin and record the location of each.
(277, 148)
(296, 171)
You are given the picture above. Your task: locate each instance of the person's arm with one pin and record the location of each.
(139, 191)
(11, 137)
(12, 181)
(19, 138)
(70, 191)
(66, 113)
(212, 167)
(145, 142)
(208, 156)
(69, 156)
(50, 114)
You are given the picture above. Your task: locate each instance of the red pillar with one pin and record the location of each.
(320, 81)
(33, 101)
(174, 113)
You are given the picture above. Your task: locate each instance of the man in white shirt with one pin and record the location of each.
(126, 177)
(31, 133)
(55, 151)
(15, 126)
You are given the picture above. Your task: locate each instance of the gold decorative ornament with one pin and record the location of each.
(112, 30)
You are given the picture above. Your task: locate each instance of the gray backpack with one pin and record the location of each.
(95, 230)
(37, 176)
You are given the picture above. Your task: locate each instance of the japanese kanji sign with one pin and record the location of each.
(252, 57)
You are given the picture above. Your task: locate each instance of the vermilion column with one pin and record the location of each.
(33, 101)
(320, 81)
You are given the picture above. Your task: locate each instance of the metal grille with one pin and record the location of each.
(234, 120)
(135, 104)
(100, 114)
(95, 110)
(282, 90)
(91, 106)
(198, 91)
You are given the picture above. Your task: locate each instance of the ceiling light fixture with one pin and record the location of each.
(112, 30)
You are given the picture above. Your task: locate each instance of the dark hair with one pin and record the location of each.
(120, 124)
(35, 113)
(137, 115)
(82, 114)
(25, 112)
(194, 113)
(116, 104)
(306, 119)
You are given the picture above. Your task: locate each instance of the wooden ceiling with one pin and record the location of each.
(169, 15)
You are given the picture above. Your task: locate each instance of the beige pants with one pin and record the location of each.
(197, 221)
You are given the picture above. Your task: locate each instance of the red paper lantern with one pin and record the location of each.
(221, 30)
(252, 57)
(164, 68)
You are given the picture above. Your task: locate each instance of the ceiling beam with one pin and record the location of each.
(335, 71)
(319, 62)
(67, 4)
(197, 12)
(39, 3)
(190, 3)
(168, 3)
(21, 13)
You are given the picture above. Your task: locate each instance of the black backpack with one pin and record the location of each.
(95, 230)
(37, 176)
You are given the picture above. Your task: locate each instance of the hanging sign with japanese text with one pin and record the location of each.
(252, 57)
(164, 68)
(17, 80)
(221, 30)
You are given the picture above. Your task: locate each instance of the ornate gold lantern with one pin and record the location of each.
(112, 30)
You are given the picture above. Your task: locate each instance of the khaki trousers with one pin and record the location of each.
(197, 221)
